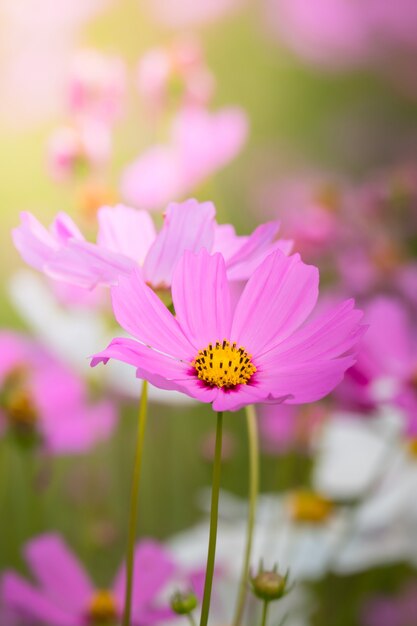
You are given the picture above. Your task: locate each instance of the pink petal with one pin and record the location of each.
(201, 143)
(20, 597)
(187, 226)
(14, 352)
(235, 399)
(142, 314)
(389, 343)
(201, 296)
(206, 141)
(154, 567)
(189, 385)
(159, 369)
(59, 573)
(86, 265)
(146, 359)
(331, 335)
(276, 300)
(126, 231)
(34, 242)
(153, 179)
(78, 431)
(246, 258)
(303, 382)
(309, 364)
(156, 615)
(64, 228)
(226, 241)
(278, 427)
(243, 254)
(56, 388)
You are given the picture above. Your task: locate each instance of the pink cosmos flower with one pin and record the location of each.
(64, 594)
(96, 86)
(42, 400)
(127, 239)
(386, 369)
(257, 351)
(175, 72)
(201, 143)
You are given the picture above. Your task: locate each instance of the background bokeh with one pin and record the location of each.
(342, 125)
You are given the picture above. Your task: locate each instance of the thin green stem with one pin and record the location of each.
(215, 488)
(133, 515)
(253, 443)
(191, 619)
(264, 612)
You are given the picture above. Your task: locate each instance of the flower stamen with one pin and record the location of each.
(224, 365)
(102, 608)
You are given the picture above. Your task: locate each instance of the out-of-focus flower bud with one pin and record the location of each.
(269, 585)
(183, 603)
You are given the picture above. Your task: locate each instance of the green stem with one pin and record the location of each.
(264, 612)
(133, 515)
(253, 496)
(191, 619)
(215, 488)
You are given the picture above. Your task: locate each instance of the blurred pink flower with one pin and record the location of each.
(178, 72)
(127, 239)
(230, 356)
(186, 13)
(201, 143)
(74, 150)
(345, 34)
(389, 610)
(386, 368)
(96, 86)
(331, 33)
(375, 251)
(393, 26)
(65, 595)
(287, 427)
(309, 207)
(42, 399)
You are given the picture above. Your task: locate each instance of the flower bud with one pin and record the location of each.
(269, 585)
(183, 603)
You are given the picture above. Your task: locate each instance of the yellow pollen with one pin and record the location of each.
(308, 506)
(102, 608)
(224, 365)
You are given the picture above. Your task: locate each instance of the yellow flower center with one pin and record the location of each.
(224, 365)
(310, 507)
(102, 608)
(412, 447)
(20, 409)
